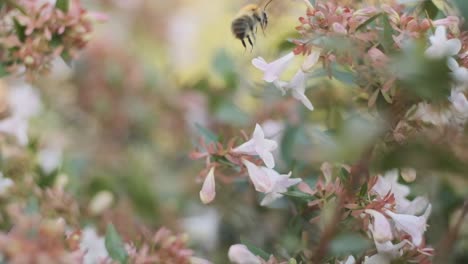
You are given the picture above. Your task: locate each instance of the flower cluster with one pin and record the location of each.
(264, 178)
(34, 33)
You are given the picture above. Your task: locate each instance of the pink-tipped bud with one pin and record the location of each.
(208, 191)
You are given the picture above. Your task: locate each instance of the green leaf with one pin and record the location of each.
(368, 21)
(3, 71)
(114, 245)
(20, 30)
(430, 9)
(349, 244)
(207, 134)
(63, 5)
(299, 195)
(255, 250)
(387, 39)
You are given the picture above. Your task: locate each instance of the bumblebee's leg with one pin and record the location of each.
(250, 41)
(243, 43)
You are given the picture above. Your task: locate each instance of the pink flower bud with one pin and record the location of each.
(208, 191)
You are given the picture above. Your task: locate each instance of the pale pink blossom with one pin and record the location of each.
(415, 226)
(349, 260)
(389, 183)
(311, 60)
(377, 259)
(240, 254)
(459, 74)
(274, 69)
(297, 86)
(459, 102)
(390, 250)
(5, 184)
(380, 228)
(17, 127)
(269, 181)
(259, 145)
(441, 46)
(208, 191)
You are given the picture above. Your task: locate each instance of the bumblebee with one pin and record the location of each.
(244, 25)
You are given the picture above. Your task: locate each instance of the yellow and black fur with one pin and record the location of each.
(244, 26)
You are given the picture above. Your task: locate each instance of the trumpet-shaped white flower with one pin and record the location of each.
(240, 254)
(349, 260)
(269, 181)
(49, 159)
(310, 60)
(17, 127)
(459, 102)
(297, 86)
(390, 250)
(415, 226)
(93, 245)
(441, 46)
(380, 228)
(5, 184)
(389, 183)
(274, 69)
(387, 252)
(208, 191)
(460, 74)
(260, 146)
(377, 259)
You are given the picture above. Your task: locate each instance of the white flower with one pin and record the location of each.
(415, 226)
(240, 254)
(269, 181)
(260, 146)
(459, 102)
(100, 202)
(441, 46)
(24, 103)
(377, 259)
(349, 260)
(416, 206)
(429, 114)
(93, 246)
(460, 74)
(24, 100)
(380, 228)
(389, 183)
(203, 228)
(5, 184)
(208, 191)
(297, 86)
(274, 69)
(17, 127)
(310, 60)
(389, 250)
(49, 159)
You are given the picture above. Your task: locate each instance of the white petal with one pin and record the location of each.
(304, 100)
(258, 134)
(240, 254)
(277, 67)
(310, 60)
(377, 259)
(381, 229)
(453, 46)
(208, 191)
(259, 177)
(390, 250)
(260, 63)
(269, 198)
(246, 148)
(281, 85)
(415, 226)
(267, 158)
(349, 260)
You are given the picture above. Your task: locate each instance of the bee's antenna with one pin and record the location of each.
(267, 4)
